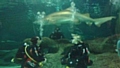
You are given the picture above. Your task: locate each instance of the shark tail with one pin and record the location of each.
(100, 21)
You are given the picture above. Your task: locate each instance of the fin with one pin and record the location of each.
(100, 21)
(98, 24)
(89, 23)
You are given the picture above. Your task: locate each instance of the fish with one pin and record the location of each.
(68, 16)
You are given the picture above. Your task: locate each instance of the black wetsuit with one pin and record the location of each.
(56, 35)
(76, 57)
(34, 52)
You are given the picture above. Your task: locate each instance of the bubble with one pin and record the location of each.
(38, 13)
(39, 21)
(115, 3)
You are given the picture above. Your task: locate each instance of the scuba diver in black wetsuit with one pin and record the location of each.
(57, 34)
(30, 56)
(78, 56)
(20, 53)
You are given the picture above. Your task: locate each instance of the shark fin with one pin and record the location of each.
(89, 23)
(100, 21)
(98, 24)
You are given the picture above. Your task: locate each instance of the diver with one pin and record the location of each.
(57, 34)
(30, 56)
(118, 48)
(77, 56)
(20, 53)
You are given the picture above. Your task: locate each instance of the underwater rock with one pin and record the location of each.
(105, 60)
(102, 45)
(48, 45)
(53, 59)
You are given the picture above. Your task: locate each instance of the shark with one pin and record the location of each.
(68, 16)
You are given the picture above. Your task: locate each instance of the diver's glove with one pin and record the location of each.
(67, 67)
(40, 64)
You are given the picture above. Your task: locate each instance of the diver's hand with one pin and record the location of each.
(67, 67)
(40, 64)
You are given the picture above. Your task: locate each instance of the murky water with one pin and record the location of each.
(9, 66)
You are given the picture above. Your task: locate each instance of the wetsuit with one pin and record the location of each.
(77, 57)
(56, 35)
(35, 53)
(32, 51)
